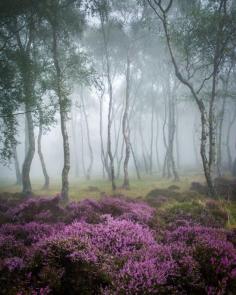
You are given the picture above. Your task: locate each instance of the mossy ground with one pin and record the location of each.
(81, 189)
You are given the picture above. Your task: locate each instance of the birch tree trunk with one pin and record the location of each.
(103, 156)
(125, 126)
(26, 69)
(82, 146)
(27, 189)
(207, 121)
(28, 93)
(40, 153)
(135, 163)
(63, 117)
(157, 146)
(219, 149)
(231, 123)
(74, 141)
(110, 91)
(17, 166)
(89, 170)
(152, 137)
(172, 129)
(166, 172)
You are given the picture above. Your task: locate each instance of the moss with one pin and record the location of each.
(165, 198)
(196, 211)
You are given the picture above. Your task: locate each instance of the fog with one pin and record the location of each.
(118, 147)
(188, 140)
(118, 95)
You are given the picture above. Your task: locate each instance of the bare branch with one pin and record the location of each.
(203, 82)
(154, 9)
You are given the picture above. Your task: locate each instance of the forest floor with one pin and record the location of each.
(115, 236)
(183, 197)
(178, 228)
(81, 189)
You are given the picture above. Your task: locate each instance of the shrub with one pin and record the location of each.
(122, 208)
(226, 187)
(116, 246)
(214, 255)
(195, 212)
(40, 209)
(88, 257)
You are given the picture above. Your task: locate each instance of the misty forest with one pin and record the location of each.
(118, 147)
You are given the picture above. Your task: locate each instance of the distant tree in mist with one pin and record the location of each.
(204, 57)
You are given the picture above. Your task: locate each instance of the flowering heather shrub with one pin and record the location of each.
(86, 210)
(90, 256)
(127, 209)
(13, 263)
(8, 200)
(40, 209)
(122, 208)
(115, 255)
(11, 247)
(110, 247)
(214, 254)
(28, 233)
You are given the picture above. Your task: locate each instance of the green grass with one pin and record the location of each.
(79, 189)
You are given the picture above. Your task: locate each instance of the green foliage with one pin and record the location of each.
(209, 213)
(10, 96)
(198, 32)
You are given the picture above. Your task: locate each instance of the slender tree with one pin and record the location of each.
(219, 18)
(89, 170)
(64, 21)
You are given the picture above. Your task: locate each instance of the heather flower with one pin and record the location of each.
(91, 210)
(13, 263)
(31, 209)
(110, 246)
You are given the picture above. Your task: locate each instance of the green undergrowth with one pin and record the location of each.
(80, 189)
(167, 196)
